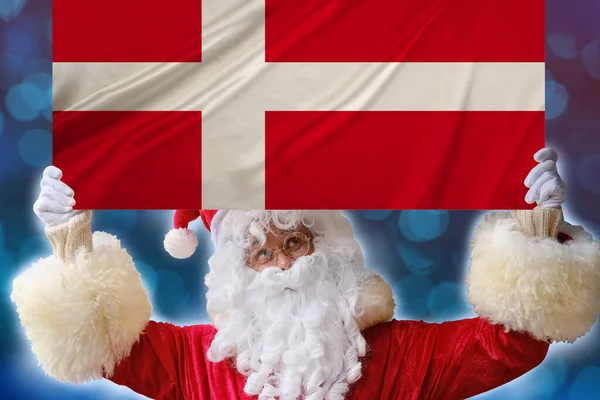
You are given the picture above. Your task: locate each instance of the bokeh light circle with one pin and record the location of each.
(422, 226)
(123, 219)
(10, 9)
(416, 261)
(562, 45)
(585, 385)
(557, 100)
(24, 101)
(47, 113)
(170, 293)
(541, 383)
(35, 148)
(588, 173)
(590, 57)
(413, 292)
(550, 87)
(149, 275)
(375, 215)
(44, 82)
(447, 301)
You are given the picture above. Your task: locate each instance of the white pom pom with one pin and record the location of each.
(181, 243)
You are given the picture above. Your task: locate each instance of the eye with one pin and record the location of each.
(262, 256)
(292, 243)
(296, 245)
(264, 253)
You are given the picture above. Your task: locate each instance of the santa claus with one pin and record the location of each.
(296, 314)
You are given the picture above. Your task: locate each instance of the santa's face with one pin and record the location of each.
(283, 300)
(281, 248)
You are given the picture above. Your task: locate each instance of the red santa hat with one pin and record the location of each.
(181, 242)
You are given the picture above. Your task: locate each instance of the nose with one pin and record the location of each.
(284, 261)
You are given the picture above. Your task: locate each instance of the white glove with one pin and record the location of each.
(55, 204)
(547, 189)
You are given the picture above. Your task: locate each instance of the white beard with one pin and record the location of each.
(293, 332)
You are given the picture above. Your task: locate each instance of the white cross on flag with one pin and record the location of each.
(298, 104)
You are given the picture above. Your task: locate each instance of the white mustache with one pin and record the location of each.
(304, 271)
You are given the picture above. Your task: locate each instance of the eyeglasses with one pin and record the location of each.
(295, 245)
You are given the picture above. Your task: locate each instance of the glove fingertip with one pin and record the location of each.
(539, 155)
(546, 154)
(528, 199)
(53, 172)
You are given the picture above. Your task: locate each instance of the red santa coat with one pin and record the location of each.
(87, 315)
(409, 360)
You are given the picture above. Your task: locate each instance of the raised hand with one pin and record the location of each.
(547, 189)
(54, 205)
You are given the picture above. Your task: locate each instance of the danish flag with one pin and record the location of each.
(298, 104)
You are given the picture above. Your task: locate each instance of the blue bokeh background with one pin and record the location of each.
(423, 254)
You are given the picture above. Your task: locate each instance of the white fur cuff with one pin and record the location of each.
(539, 285)
(82, 318)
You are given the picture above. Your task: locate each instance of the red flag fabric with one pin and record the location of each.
(298, 104)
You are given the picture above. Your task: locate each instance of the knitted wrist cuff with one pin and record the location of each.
(539, 222)
(67, 238)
